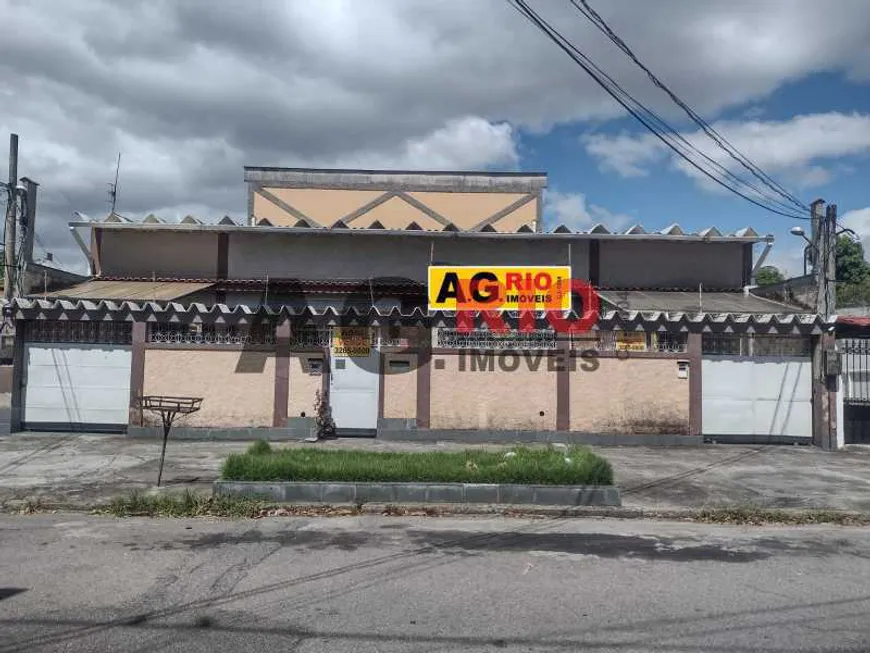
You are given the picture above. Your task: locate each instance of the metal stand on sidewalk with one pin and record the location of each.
(169, 408)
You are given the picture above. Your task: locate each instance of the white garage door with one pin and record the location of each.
(745, 396)
(76, 385)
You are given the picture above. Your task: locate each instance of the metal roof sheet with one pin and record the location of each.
(60, 309)
(130, 290)
(672, 234)
(695, 302)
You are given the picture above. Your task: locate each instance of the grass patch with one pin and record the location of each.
(192, 504)
(184, 504)
(755, 516)
(550, 466)
(259, 448)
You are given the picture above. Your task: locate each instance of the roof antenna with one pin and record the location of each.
(113, 188)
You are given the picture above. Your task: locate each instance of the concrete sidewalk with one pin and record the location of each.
(80, 470)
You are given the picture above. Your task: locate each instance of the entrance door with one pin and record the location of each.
(353, 382)
(76, 386)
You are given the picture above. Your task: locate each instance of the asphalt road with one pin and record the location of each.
(82, 583)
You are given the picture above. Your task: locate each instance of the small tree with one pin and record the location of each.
(768, 275)
(323, 416)
(852, 267)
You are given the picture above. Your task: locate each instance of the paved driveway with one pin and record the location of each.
(79, 470)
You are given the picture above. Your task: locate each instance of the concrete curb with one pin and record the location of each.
(509, 511)
(422, 493)
(398, 430)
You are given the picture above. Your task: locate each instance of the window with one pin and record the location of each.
(116, 333)
(762, 345)
(212, 334)
(631, 341)
(309, 337)
(485, 339)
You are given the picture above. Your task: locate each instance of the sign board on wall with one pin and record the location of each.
(499, 288)
(630, 341)
(352, 341)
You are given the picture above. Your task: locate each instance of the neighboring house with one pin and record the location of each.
(246, 315)
(853, 345)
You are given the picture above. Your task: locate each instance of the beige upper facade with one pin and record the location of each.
(364, 199)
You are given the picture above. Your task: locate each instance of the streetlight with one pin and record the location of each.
(799, 231)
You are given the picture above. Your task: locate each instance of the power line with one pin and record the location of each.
(624, 98)
(590, 14)
(644, 115)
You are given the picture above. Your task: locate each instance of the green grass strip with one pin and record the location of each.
(539, 466)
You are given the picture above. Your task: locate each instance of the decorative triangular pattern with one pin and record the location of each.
(375, 225)
(339, 224)
(561, 229)
(635, 229)
(450, 227)
(599, 229)
(413, 226)
(189, 219)
(673, 230)
(264, 223)
(525, 229)
(177, 312)
(227, 220)
(710, 232)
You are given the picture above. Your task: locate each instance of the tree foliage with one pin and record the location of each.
(768, 275)
(853, 273)
(852, 267)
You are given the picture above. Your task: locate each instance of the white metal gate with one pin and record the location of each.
(76, 374)
(354, 380)
(76, 385)
(758, 397)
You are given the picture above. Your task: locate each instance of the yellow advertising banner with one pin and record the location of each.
(352, 341)
(499, 288)
(630, 341)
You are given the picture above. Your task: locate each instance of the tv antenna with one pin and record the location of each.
(113, 188)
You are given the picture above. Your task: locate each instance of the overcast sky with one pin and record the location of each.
(190, 91)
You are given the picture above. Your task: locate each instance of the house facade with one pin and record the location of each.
(323, 286)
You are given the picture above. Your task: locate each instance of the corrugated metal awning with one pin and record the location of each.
(669, 301)
(63, 309)
(131, 290)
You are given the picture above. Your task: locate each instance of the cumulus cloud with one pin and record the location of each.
(191, 90)
(462, 144)
(801, 149)
(575, 212)
(858, 221)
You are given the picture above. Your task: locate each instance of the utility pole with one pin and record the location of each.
(11, 219)
(824, 257)
(829, 247)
